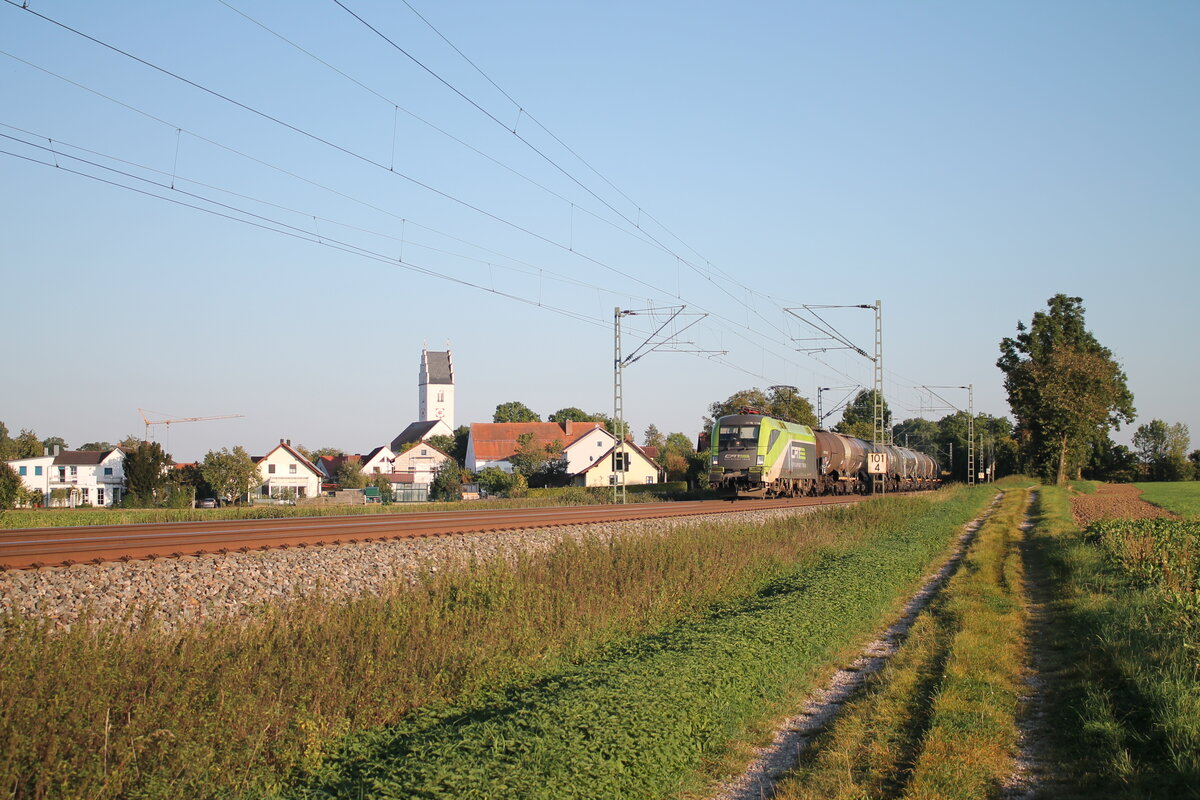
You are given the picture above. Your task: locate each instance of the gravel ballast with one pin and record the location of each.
(192, 589)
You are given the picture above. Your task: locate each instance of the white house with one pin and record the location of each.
(421, 461)
(639, 467)
(287, 475)
(75, 477)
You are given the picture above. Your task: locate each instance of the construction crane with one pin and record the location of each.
(168, 422)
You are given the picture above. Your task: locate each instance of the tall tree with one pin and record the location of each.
(514, 411)
(532, 458)
(231, 473)
(50, 441)
(145, 473)
(11, 486)
(858, 418)
(1161, 447)
(778, 401)
(570, 413)
(349, 474)
(8, 447)
(27, 444)
(99, 447)
(1064, 387)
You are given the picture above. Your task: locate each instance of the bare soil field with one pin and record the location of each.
(1121, 500)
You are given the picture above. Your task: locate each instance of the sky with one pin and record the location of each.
(269, 208)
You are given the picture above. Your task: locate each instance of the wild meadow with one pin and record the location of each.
(1182, 497)
(604, 669)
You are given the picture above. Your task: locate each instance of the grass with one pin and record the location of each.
(304, 690)
(63, 517)
(1182, 497)
(1124, 706)
(939, 720)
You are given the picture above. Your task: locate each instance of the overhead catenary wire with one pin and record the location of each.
(758, 340)
(372, 162)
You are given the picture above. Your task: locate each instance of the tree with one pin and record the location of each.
(514, 411)
(189, 479)
(532, 458)
(778, 401)
(231, 473)
(447, 482)
(27, 444)
(322, 451)
(349, 474)
(97, 447)
(11, 487)
(653, 437)
(454, 446)
(1194, 457)
(572, 414)
(145, 473)
(129, 442)
(498, 482)
(1064, 387)
(8, 447)
(1111, 462)
(384, 485)
(1161, 448)
(49, 443)
(858, 418)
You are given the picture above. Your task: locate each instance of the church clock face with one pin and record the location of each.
(441, 412)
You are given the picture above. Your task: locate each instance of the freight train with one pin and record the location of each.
(754, 455)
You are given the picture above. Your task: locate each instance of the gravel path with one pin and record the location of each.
(182, 591)
(823, 705)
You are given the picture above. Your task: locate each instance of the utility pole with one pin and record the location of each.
(970, 387)
(650, 345)
(828, 333)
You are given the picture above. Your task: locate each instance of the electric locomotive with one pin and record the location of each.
(754, 455)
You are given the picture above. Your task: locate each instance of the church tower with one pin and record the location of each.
(436, 387)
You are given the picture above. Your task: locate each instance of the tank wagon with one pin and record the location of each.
(754, 455)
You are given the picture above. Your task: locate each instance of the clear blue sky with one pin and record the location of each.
(960, 162)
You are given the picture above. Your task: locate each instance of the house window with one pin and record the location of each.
(74, 471)
(424, 452)
(599, 442)
(20, 470)
(108, 470)
(620, 462)
(292, 469)
(37, 470)
(84, 494)
(377, 470)
(649, 479)
(99, 496)
(441, 397)
(270, 469)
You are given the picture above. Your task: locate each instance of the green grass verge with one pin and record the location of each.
(939, 720)
(65, 517)
(1182, 497)
(1085, 487)
(1125, 702)
(233, 709)
(645, 718)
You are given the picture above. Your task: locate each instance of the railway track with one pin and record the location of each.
(31, 548)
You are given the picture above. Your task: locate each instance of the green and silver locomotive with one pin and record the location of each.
(757, 456)
(753, 455)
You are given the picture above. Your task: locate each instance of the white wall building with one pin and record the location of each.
(75, 477)
(287, 475)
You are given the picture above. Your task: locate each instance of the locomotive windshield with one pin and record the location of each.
(733, 436)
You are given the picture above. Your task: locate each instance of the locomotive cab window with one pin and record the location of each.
(737, 436)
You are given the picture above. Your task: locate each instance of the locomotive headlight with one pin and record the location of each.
(761, 460)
